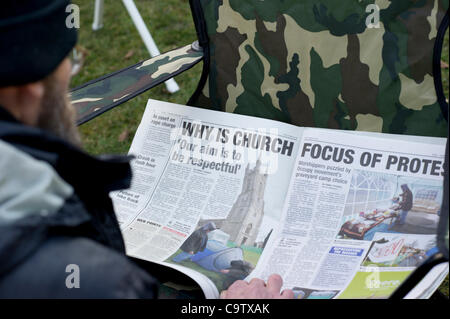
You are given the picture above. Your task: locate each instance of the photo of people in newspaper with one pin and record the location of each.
(227, 249)
(380, 202)
(399, 250)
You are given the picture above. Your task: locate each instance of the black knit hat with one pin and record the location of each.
(34, 39)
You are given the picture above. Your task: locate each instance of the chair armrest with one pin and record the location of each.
(102, 94)
(417, 275)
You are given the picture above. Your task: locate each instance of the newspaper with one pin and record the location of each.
(222, 197)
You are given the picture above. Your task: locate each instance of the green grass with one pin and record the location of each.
(171, 25)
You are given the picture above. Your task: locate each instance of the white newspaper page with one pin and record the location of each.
(361, 214)
(208, 190)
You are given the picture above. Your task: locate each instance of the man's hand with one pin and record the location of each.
(258, 289)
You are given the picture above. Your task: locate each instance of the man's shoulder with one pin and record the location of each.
(76, 267)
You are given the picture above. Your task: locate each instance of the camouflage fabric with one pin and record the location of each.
(318, 63)
(98, 96)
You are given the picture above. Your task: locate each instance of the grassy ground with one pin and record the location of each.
(118, 45)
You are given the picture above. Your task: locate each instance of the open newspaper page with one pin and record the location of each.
(207, 193)
(361, 214)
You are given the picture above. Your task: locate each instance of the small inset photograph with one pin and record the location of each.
(390, 204)
(305, 293)
(400, 250)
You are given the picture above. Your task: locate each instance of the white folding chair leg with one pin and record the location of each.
(171, 85)
(98, 15)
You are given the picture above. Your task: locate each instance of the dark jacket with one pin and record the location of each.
(196, 242)
(407, 200)
(55, 211)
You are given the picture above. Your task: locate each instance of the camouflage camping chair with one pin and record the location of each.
(357, 65)
(371, 65)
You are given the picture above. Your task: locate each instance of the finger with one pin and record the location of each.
(257, 283)
(238, 285)
(287, 294)
(274, 283)
(223, 294)
(237, 290)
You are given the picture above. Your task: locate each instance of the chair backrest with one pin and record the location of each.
(347, 64)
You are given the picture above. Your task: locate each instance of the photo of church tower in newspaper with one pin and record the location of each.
(246, 215)
(226, 250)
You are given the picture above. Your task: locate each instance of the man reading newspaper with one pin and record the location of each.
(56, 218)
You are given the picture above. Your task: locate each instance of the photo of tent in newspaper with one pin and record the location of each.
(399, 250)
(226, 250)
(391, 204)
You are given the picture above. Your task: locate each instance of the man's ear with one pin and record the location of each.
(28, 101)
